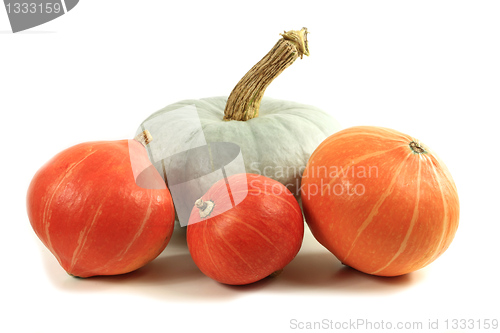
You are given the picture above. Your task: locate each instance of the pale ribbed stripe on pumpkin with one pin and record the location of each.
(412, 224)
(439, 248)
(375, 208)
(205, 242)
(120, 255)
(49, 203)
(82, 239)
(237, 219)
(233, 249)
(139, 232)
(354, 162)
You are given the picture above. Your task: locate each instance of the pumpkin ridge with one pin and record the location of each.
(356, 161)
(49, 203)
(256, 145)
(82, 239)
(109, 194)
(233, 248)
(236, 218)
(141, 228)
(414, 219)
(445, 223)
(374, 210)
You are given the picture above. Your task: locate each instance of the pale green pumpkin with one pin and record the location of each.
(276, 137)
(276, 144)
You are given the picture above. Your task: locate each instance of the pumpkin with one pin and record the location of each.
(381, 201)
(244, 243)
(276, 137)
(101, 208)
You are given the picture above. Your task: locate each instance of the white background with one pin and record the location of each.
(430, 69)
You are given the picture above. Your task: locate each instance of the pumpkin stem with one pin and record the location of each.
(417, 148)
(244, 101)
(145, 138)
(205, 207)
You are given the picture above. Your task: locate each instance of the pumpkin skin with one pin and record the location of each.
(277, 144)
(250, 241)
(378, 205)
(86, 208)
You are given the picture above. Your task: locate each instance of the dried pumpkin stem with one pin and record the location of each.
(144, 137)
(417, 148)
(244, 101)
(205, 207)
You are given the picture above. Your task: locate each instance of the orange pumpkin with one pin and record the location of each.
(379, 200)
(89, 209)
